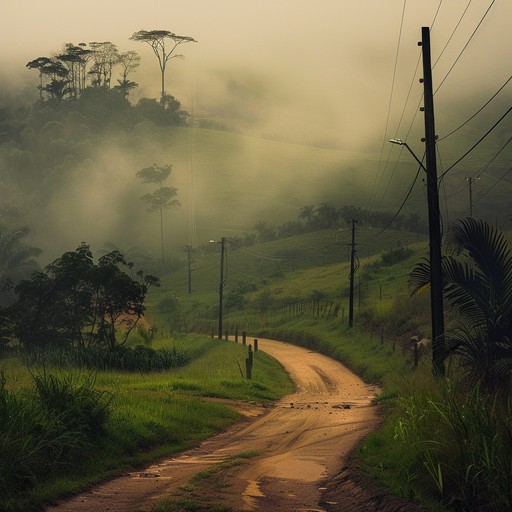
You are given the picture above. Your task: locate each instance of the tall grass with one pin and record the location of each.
(139, 358)
(61, 431)
(447, 444)
(42, 432)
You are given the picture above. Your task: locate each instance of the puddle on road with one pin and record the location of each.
(304, 470)
(251, 492)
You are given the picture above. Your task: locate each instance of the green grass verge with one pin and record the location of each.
(153, 414)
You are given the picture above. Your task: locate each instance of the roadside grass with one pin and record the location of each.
(444, 445)
(151, 415)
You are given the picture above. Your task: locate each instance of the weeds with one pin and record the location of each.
(463, 442)
(45, 430)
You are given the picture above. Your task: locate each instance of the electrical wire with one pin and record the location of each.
(478, 111)
(489, 189)
(453, 33)
(464, 47)
(404, 109)
(475, 145)
(389, 107)
(403, 203)
(486, 166)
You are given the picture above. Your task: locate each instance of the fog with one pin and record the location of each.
(330, 74)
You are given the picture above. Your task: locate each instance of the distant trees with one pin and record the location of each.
(327, 215)
(162, 197)
(157, 39)
(17, 259)
(69, 73)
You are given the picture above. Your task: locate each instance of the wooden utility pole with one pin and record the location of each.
(470, 183)
(189, 262)
(221, 284)
(352, 272)
(436, 279)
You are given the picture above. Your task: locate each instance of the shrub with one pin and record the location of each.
(463, 440)
(397, 255)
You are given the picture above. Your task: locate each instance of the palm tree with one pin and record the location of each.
(307, 214)
(477, 282)
(17, 260)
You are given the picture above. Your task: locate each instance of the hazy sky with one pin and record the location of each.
(332, 73)
(304, 66)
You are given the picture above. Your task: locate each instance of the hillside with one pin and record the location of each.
(302, 268)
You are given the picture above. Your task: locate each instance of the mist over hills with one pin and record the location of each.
(69, 174)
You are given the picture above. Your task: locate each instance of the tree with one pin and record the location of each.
(128, 61)
(162, 197)
(157, 40)
(328, 215)
(40, 63)
(307, 214)
(477, 282)
(75, 58)
(77, 302)
(105, 56)
(17, 260)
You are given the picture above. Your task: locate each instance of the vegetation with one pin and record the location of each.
(477, 280)
(52, 416)
(76, 302)
(157, 40)
(444, 442)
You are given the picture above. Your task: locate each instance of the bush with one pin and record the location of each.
(397, 255)
(139, 359)
(463, 440)
(45, 430)
(74, 405)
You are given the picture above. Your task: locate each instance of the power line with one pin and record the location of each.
(465, 46)
(486, 166)
(389, 106)
(403, 203)
(475, 145)
(479, 110)
(453, 33)
(489, 189)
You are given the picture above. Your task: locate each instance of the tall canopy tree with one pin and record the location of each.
(162, 197)
(158, 40)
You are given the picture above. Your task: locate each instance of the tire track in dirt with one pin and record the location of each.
(303, 444)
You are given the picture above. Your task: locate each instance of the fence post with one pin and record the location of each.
(244, 338)
(255, 344)
(250, 353)
(236, 335)
(248, 369)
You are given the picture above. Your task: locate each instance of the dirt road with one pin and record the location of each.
(290, 452)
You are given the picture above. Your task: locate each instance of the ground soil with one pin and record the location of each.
(294, 456)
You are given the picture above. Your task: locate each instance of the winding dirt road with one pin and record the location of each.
(300, 446)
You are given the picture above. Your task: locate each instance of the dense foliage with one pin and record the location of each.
(77, 302)
(44, 432)
(477, 281)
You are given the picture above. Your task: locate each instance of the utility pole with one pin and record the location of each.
(470, 182)
(436, 278)
(352, 272)
(221, 284)
(188, 248)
